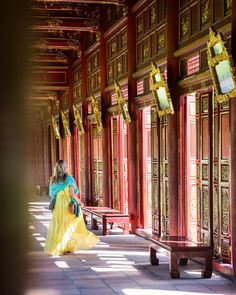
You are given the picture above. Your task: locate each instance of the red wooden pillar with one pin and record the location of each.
(61, 147)
(172, 137)
(232, 119)
(85, 121)
(106, 142)
(132, 140)
(70, 103)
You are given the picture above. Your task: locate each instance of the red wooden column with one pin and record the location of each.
(232, 119)
(70, 103)
(61, 147)
(132, 140)
(106, 142)
(85, 121)
(172, 137)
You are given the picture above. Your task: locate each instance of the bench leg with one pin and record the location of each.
(207, 273)
(153, 257)
(126, 227)
(104, 227)
(173, 265)
(94, 224)
(183, 261)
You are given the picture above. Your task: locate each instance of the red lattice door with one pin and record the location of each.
(221, 186)
(119, 165)
(97, 167)
(204, 162)
(155, 160)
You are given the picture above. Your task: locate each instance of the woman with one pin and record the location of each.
(67, 232)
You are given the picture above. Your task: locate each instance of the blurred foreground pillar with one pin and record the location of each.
(13, 218)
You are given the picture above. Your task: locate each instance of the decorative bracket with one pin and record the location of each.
(123, 105)
(221, 66)
(78, 121)
(56, 128)
(160, 92)
(97, 113)
(65, 124)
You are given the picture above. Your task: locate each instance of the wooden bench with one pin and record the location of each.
(106, 215)
(180, 249)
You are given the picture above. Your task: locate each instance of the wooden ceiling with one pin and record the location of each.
(55, 30)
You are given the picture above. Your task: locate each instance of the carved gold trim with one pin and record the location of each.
(214, 59)
(56, 128)
(53, 23)
(78, 121)
(158, 85)
(97, 113)
(65, 124)
(123, 105)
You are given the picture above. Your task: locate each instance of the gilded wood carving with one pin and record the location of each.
(123, 105)
(78, 121)
(160, 92)
(221, 67)
(205, 12)
(56, 128)
(65, 124)
(97, 113)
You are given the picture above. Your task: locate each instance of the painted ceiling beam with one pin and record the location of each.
(50, 57)
(64, 24)
(49, 87)
(60, 44)
(116, 2)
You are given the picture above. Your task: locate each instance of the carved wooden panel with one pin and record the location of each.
(203, 114)
(221, 195)
(145, 151)
(115, 165)
(79, 161)
(184, 25)
(97, 166)
(49, 77)
(117, 64)
(124, 165)
(65, 100)
(205, 13)
(164, 177)
(77, 84)
(196, 16)
(150, 32)
(93, 72)
(191, 167)
(156, 217)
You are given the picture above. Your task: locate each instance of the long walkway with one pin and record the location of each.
(119, 264)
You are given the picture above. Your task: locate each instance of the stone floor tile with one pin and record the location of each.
(118, 265)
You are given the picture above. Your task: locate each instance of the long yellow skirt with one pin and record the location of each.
(67, 233)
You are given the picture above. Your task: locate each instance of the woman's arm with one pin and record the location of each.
(74, 196)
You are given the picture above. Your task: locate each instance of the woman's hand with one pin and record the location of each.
(74, 196)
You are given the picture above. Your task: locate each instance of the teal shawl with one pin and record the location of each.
(55, 188)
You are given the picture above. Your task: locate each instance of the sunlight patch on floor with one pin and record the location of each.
(120, 262)
(38, 203)
(110, 253)
(160, 292)
(40, 239)
(61, 264)
(43, 292)
(106, 269)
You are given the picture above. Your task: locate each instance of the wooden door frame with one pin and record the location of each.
(182, 132)
(140, 167)
(183, 208)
